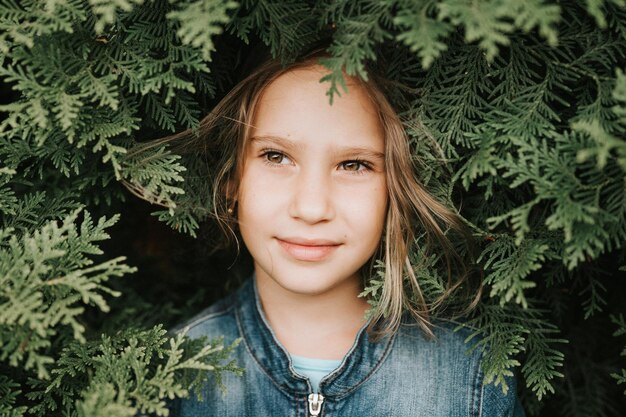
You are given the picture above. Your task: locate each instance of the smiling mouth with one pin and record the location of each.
(307, 252)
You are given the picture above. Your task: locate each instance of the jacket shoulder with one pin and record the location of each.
(216, 320)
(453, 360)
(450, 338)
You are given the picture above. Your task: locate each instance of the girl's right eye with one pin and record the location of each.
(276, 158)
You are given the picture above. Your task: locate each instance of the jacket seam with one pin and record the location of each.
(281, 388)
(477, 392)
(370, 373)
(195, 321)
(470, 396)
(480, 401)
(205, 317)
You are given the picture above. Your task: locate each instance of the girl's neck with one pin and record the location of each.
(322, 326)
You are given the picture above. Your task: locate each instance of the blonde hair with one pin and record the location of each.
(222, 137)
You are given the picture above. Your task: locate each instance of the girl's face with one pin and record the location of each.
(312, 199)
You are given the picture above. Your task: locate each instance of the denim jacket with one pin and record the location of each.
(400, 376)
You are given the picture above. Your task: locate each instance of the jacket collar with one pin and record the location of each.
(363, 358)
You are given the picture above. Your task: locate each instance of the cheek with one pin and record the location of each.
(258, 198)
(367, 210)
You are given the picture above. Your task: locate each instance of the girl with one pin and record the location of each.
(318, 193)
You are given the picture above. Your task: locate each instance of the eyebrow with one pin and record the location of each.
(350, 150)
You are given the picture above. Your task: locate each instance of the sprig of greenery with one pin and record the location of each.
(134, 371)
(46, 280)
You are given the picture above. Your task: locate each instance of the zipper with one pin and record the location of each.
(315, 404)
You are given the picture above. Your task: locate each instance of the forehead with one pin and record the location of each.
(295, 105)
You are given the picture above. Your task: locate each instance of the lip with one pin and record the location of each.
(308, 249)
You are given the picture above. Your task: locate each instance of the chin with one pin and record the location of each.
(305, 287)
(298, 282)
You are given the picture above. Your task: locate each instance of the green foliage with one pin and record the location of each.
(518, 106)
(286, 26)
(9, 391)
(595, 9)
(46, 278)
(90, 76)
(605, 143)
(150, 174)
(505, 332)
(489, 22)
(360, 27)
(106, 12)
(424, 32)
(22, 22)
(508, 267)
(621, 330)
(132, 371)
(195, 30)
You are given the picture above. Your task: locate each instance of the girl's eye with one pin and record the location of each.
(276, 158)
(355, 166)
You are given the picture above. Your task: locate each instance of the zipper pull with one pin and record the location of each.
(315, 403)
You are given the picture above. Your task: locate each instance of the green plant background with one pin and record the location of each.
(526, 99)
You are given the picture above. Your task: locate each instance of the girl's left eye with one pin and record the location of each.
(355, 166)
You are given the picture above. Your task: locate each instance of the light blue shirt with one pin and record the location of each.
(314, 369)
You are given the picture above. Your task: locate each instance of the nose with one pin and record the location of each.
(312, 196)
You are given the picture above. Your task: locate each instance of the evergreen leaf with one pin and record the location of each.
(424, 33)
(595, 9)
(503, 332)
(152, 174)
(9, 392)
(356, 35)
(489, 22)
(106, 11)
(286, 26)
(508, 266)
(200, 20)
(42, 290)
